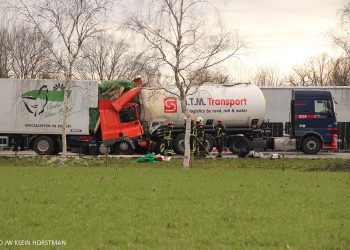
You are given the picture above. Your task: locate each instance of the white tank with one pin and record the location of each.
(236, 105)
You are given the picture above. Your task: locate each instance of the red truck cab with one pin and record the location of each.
(121, 129)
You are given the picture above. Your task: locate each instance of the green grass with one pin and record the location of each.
(222, 204)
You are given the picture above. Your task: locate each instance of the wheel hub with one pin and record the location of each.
(311, 145)
(237, 145)
(124, 146)
(43, 145)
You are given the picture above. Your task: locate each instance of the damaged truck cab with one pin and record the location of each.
(120, 125)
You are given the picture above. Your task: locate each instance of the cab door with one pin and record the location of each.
(129, 122)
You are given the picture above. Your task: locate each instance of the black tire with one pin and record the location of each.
(179, 144)
(160, 146)
(43, 145)
(311, 145)
(124, 148)
(237, 144)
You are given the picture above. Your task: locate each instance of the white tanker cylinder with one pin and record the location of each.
(237, 105)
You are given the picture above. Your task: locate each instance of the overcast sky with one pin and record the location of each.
(281, 33)
(277, 33)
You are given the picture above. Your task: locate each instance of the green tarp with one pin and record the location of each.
(147, 158)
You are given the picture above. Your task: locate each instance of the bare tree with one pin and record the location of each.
(215, 76)
(342, 38)
(341, 66)
(341, 72)
(30, 53)
(69, 23)
(267, 76)
(139, 64)
(4, 53)
(176, 34)
(102, 58)
(315, 72)
(298, 77)
(105, 58)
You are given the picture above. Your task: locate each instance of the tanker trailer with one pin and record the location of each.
(240, 106)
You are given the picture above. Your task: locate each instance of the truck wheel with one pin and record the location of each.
(124, 148)
(237, 144)
(43, 145)
(179, 145)
(160, 146)
(311, 145)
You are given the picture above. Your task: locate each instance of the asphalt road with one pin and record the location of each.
(321, 155)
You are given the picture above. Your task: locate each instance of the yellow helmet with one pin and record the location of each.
(199, 119)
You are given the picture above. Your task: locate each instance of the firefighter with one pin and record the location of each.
(198, 121)
(193, 137)
(201, 140)
(219, 136)
(168, 150)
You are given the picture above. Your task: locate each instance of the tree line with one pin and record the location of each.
(26, 54)
(322, 70)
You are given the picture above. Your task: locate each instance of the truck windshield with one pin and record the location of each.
(127, 115)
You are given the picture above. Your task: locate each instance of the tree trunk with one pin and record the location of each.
(65, 116)
(187, 155)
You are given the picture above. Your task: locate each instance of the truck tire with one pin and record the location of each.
(160, 146)
(43, 145)
(179, 145)
(124, 148)
(237, 144)
(311, 145)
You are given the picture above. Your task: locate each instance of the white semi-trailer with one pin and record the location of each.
(31, 111)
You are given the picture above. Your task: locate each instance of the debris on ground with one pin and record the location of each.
(242, 153)
(147, 158)
(152, 158)
(254, 154)
(275, 156)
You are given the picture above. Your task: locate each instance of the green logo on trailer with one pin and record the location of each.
(35, 101)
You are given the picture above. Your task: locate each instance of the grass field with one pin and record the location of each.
(222, 204)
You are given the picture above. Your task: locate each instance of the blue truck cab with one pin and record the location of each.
(313, 119)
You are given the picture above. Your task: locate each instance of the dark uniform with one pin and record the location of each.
(168, 150)
(220, 137)
(193, 138)
(201, 140)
